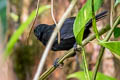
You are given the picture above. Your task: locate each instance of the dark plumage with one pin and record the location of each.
(44, 31)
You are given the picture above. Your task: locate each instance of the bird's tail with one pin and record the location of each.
(98, 17)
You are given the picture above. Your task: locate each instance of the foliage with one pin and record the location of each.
(113, 46)
(83, 17)
(81, 76)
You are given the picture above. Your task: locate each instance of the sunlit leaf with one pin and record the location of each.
(81, 76)
(82, 18)
(113, 46)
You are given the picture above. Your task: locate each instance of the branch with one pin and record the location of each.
(71, 52)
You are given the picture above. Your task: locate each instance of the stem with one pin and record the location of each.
(91, 37)
(111, 14)
(85, 65)
(98, 62)
(111, 30)
(103, 48)
(94, 21)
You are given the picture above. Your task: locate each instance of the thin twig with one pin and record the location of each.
(111, 14)
(52, 38)
(31, 28)
(38, 3)
(52, 14)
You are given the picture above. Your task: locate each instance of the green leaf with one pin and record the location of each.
(82, 18)
(113, 46)
(81, 76)
(116, 32)
(21, 29)
(116, 3)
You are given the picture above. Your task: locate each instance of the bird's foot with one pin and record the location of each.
(75, 48)
(56, 64)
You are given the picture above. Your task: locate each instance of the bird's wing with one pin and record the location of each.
(66, 31)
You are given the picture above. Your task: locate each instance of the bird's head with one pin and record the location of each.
(39, 30)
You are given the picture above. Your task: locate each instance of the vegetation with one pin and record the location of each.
(24, 57)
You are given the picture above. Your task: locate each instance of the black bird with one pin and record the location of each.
(67, 39)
